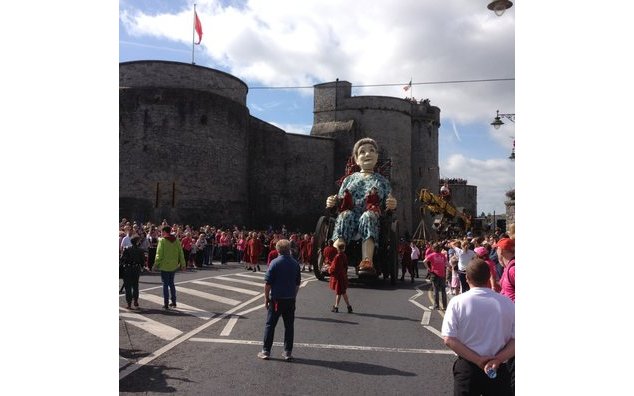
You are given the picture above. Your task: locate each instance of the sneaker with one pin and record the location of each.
(287, 356)
(136, 303)
(433, 307)
(129, 306)
(165, 307)
(173, 305)
(263, 355)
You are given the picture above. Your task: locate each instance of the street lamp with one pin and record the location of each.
(499, 6)
(498, 119)
(497, 122)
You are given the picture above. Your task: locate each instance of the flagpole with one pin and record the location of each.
(411, 89)
(193, 33)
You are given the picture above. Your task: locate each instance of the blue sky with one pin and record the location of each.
(373, 42)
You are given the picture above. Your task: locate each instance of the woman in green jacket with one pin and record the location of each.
(169, 258)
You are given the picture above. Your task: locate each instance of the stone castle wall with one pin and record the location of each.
(190, 151)
(182, 155)
(178, 75)
(465, 196)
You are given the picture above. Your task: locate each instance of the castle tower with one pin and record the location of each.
(182, 143)
(407, 134)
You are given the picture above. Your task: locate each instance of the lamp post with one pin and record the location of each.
(498, 118)
(499, 6)
(497, 122)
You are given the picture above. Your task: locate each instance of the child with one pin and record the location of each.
(455, 280)
(338, 271)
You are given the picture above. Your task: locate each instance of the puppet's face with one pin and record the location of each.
(367, 157)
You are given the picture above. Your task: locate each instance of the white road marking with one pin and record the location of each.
(208, 296)
(433, 330)
(226, 287)
(184, 308)
(329, 346)
(151, 326)
(250, 310)
(426, 312)
(424, 308)
(245, 282)
(142, 362)
(260, 277)
(230, 323)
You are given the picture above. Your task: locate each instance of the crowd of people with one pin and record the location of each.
(478, 271)
(205, 244)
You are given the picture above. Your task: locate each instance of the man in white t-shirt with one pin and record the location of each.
(465, 254)
(415, 257)
(479, 326)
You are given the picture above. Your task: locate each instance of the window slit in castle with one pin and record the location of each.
(156, 199)
(420, 171)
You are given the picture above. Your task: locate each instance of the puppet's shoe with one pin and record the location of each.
(366, 267)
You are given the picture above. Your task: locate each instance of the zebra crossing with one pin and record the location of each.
(202, 294)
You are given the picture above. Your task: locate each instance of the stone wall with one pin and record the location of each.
(168, 74)
(190, 152)
(182, 156)
(465, 196)
(290, 178)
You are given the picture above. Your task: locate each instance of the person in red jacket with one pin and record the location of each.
(305, 250)
(338, 271)
(255, 250)
(329, 252)
(273, 254)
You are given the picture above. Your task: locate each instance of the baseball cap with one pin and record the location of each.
(480, 251)
(506, 244)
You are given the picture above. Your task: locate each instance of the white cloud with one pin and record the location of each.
(301, 43)
(302, 129)
(287, 42)
(493, 177)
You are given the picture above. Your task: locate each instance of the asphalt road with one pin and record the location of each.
(390, 345)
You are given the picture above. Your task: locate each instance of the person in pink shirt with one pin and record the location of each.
(436, 263)
(187, 243)
(240, 245)
(506, 255)
(483, 253)
(225, 244)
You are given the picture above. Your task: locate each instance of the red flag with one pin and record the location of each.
(198, 27)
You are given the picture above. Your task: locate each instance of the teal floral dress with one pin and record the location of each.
(358, 222)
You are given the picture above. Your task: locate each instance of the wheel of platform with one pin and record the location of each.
(323, 231)
(392, 255)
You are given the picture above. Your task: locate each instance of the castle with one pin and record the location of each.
(190, 151)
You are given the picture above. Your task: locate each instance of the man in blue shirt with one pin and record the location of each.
(282, 284)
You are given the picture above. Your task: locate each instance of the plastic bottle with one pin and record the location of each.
(492, 373)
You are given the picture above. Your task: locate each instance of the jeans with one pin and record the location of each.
(285, 308)
(223, 254)
(207, 256)
(168, 283)
(131, 285)
(464, 286)
(438, 282)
